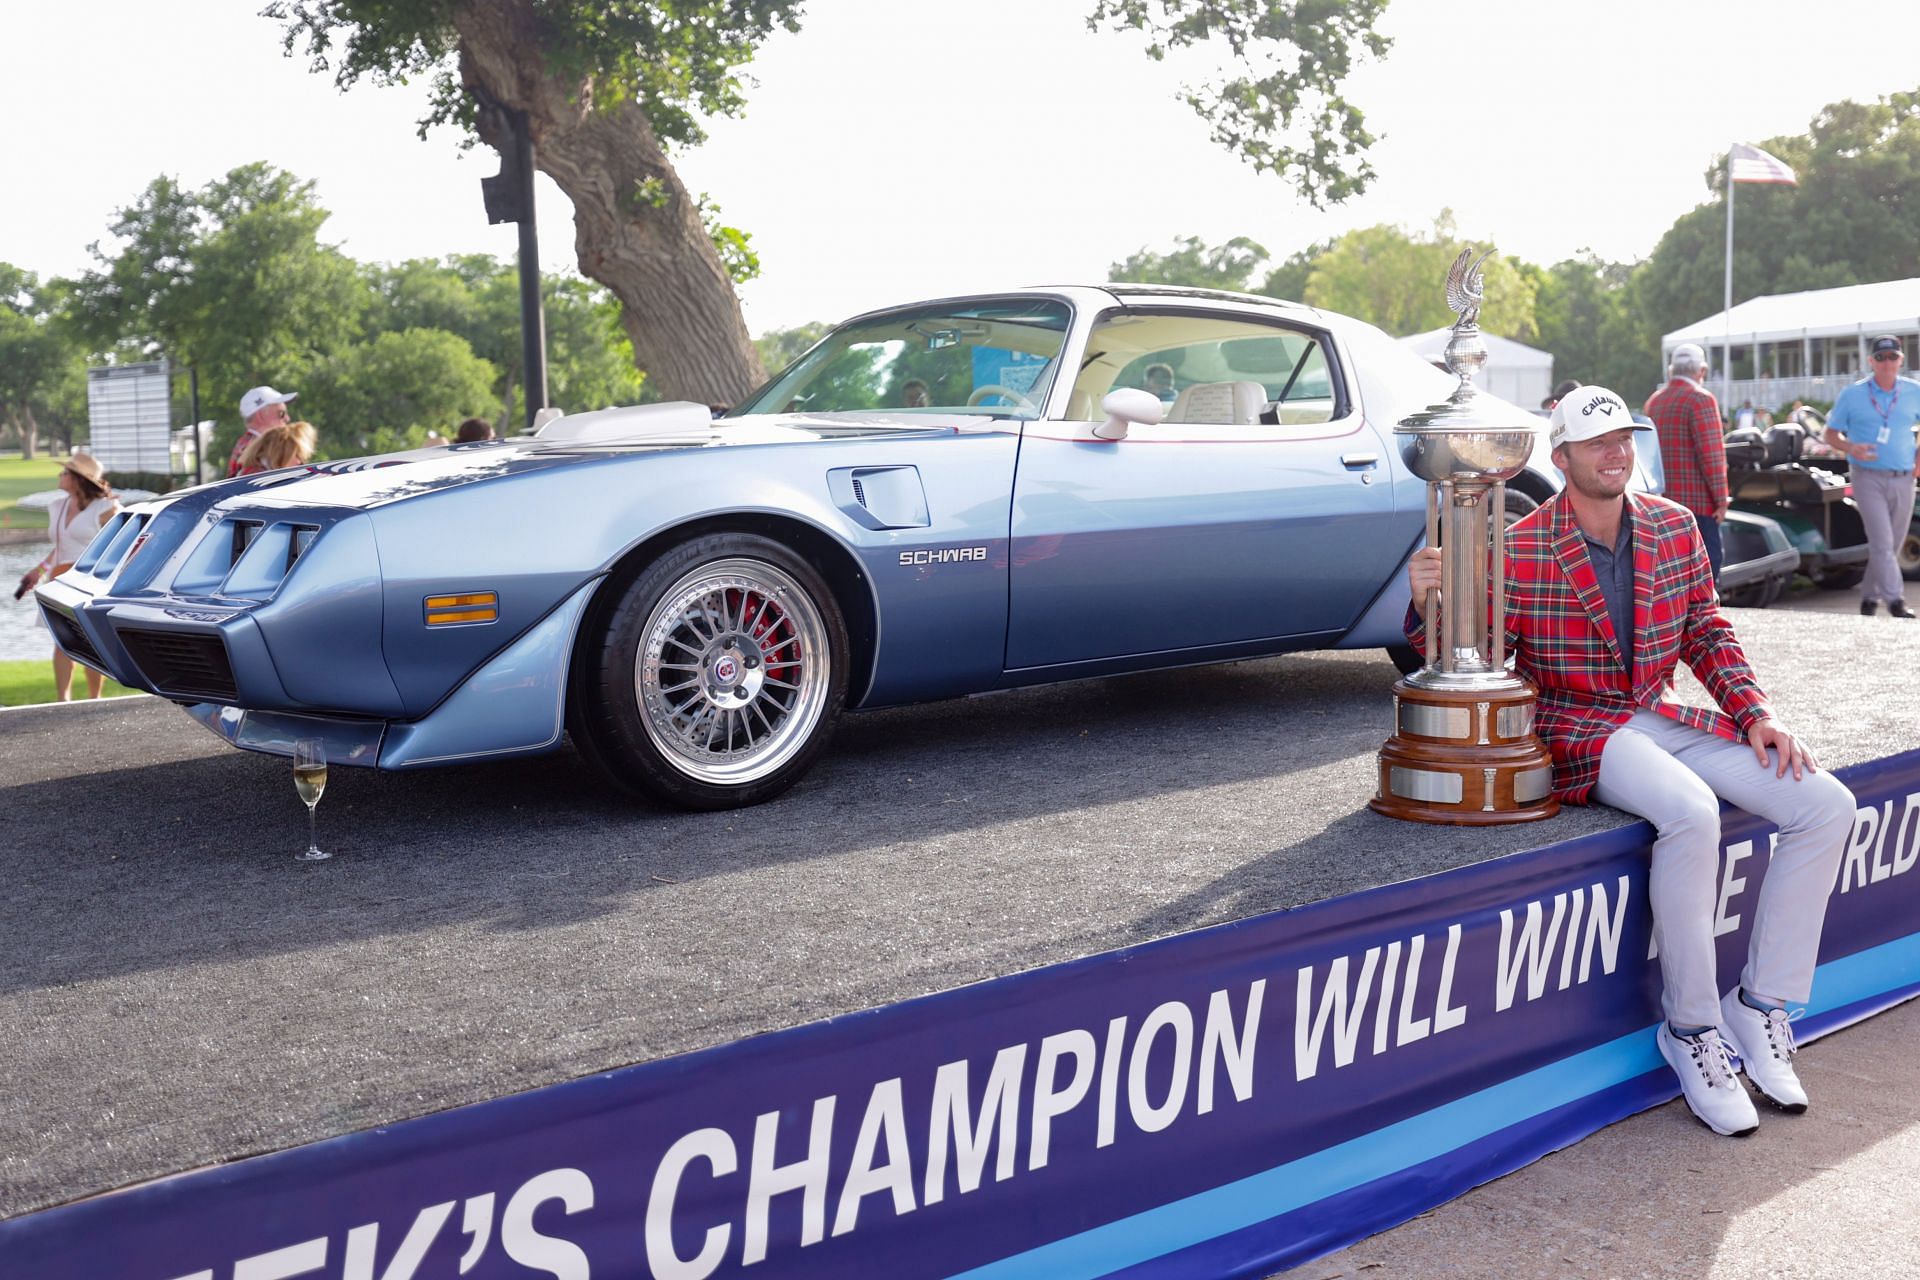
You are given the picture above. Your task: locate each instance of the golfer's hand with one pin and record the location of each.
(1423, 575)
(1771, 733)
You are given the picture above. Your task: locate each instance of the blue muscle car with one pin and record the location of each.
(960, 495)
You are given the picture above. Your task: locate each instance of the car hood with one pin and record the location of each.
(394, 477)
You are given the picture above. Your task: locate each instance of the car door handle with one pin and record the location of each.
(1354, 461)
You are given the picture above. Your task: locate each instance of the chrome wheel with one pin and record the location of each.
(732, 672)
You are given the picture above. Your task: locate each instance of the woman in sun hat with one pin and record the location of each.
(85, 503)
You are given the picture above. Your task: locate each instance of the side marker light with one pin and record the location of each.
(453, 611)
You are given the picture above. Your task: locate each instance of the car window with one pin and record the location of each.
(1208, 369)
(994, 358)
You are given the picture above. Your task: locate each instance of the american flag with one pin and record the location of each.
(1751, 164)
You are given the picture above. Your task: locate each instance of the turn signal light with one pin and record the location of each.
(475, 606)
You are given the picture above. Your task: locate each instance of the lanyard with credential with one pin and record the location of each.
(1886, 422)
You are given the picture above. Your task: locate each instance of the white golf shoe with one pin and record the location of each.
(1707, 1081)
(1764, 1041)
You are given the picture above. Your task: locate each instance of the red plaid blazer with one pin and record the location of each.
(1692, 452)
(1563, 641)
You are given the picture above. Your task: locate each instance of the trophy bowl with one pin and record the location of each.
(1476, 456)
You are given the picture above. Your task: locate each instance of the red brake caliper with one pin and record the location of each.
(775, 636)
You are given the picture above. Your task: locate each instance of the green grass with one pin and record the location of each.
(30, 680)
(18, 478)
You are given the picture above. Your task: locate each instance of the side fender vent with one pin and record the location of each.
(880, 497)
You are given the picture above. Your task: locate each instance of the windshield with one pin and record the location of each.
(991, 358)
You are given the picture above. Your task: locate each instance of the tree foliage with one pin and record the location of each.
(676, 59)
(390, 392)
(1394, 279)
(609, 87)
(232, 279)
(779, 348)
(606, 88)
(589, 360)
(1854, 217)
(1585, 319)
(1194, 264)
(1283, 111)
(42, 372)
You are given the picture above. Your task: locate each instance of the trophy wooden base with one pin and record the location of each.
(1467, 757)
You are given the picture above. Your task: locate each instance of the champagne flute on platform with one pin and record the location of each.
(310, 779)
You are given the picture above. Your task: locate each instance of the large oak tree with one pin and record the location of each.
(608, 87)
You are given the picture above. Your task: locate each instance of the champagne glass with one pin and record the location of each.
(310, 779)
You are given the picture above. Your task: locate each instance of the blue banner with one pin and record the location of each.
(1229, 1101)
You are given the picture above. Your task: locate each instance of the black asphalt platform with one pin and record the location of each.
(177, 990)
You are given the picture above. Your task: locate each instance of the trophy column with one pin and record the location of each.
(1463, 749)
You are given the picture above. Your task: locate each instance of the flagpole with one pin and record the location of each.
(1726, 312)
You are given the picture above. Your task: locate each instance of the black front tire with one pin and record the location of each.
(715, 675)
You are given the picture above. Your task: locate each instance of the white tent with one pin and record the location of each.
(1514, 370)
(1801, 346)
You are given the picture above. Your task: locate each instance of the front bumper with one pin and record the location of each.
(188, 653)
(513, 706)
(348, 742)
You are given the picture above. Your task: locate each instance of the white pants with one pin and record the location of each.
(1674, 776)
(1885, 499)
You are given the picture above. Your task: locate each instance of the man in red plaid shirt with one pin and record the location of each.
(1687, 417)
(1606, 593)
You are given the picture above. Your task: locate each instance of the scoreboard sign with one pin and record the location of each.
(129, 417)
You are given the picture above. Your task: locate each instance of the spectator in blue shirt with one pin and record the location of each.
(1873, 424)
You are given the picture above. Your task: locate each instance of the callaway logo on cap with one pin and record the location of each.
(1586, 412)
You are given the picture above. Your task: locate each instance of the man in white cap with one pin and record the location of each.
(1687, 417)
(1606, 593)
(261, 408)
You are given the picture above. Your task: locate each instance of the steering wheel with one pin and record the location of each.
(995, 389)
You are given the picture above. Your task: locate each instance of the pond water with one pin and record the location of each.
(21, 635)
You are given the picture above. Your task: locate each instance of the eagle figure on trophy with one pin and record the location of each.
(1466, 354)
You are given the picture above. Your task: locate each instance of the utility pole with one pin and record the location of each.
(193, 415)
(509, 198)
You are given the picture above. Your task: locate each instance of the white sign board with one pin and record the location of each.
(128, 416)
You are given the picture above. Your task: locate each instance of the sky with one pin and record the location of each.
(901, 149)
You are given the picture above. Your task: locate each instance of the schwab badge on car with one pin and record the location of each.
(943, 555)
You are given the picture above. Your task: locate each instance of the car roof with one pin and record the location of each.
(1084, 296)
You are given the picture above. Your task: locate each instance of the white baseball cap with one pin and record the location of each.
(1688, 353)
(1586, 412)
(260, 398)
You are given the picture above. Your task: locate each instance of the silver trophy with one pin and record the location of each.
(1463, 749)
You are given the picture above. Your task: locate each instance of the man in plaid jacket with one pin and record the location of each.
(1687, 417)
(1606, 593)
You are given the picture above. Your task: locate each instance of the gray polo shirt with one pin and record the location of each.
(1613, 566)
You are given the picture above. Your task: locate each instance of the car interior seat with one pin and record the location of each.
(1225, 403)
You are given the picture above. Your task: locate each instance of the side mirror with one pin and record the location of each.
(1124, 408)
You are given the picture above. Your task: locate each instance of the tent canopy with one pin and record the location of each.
(1886, 306)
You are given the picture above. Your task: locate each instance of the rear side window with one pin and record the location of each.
(1210, 369)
